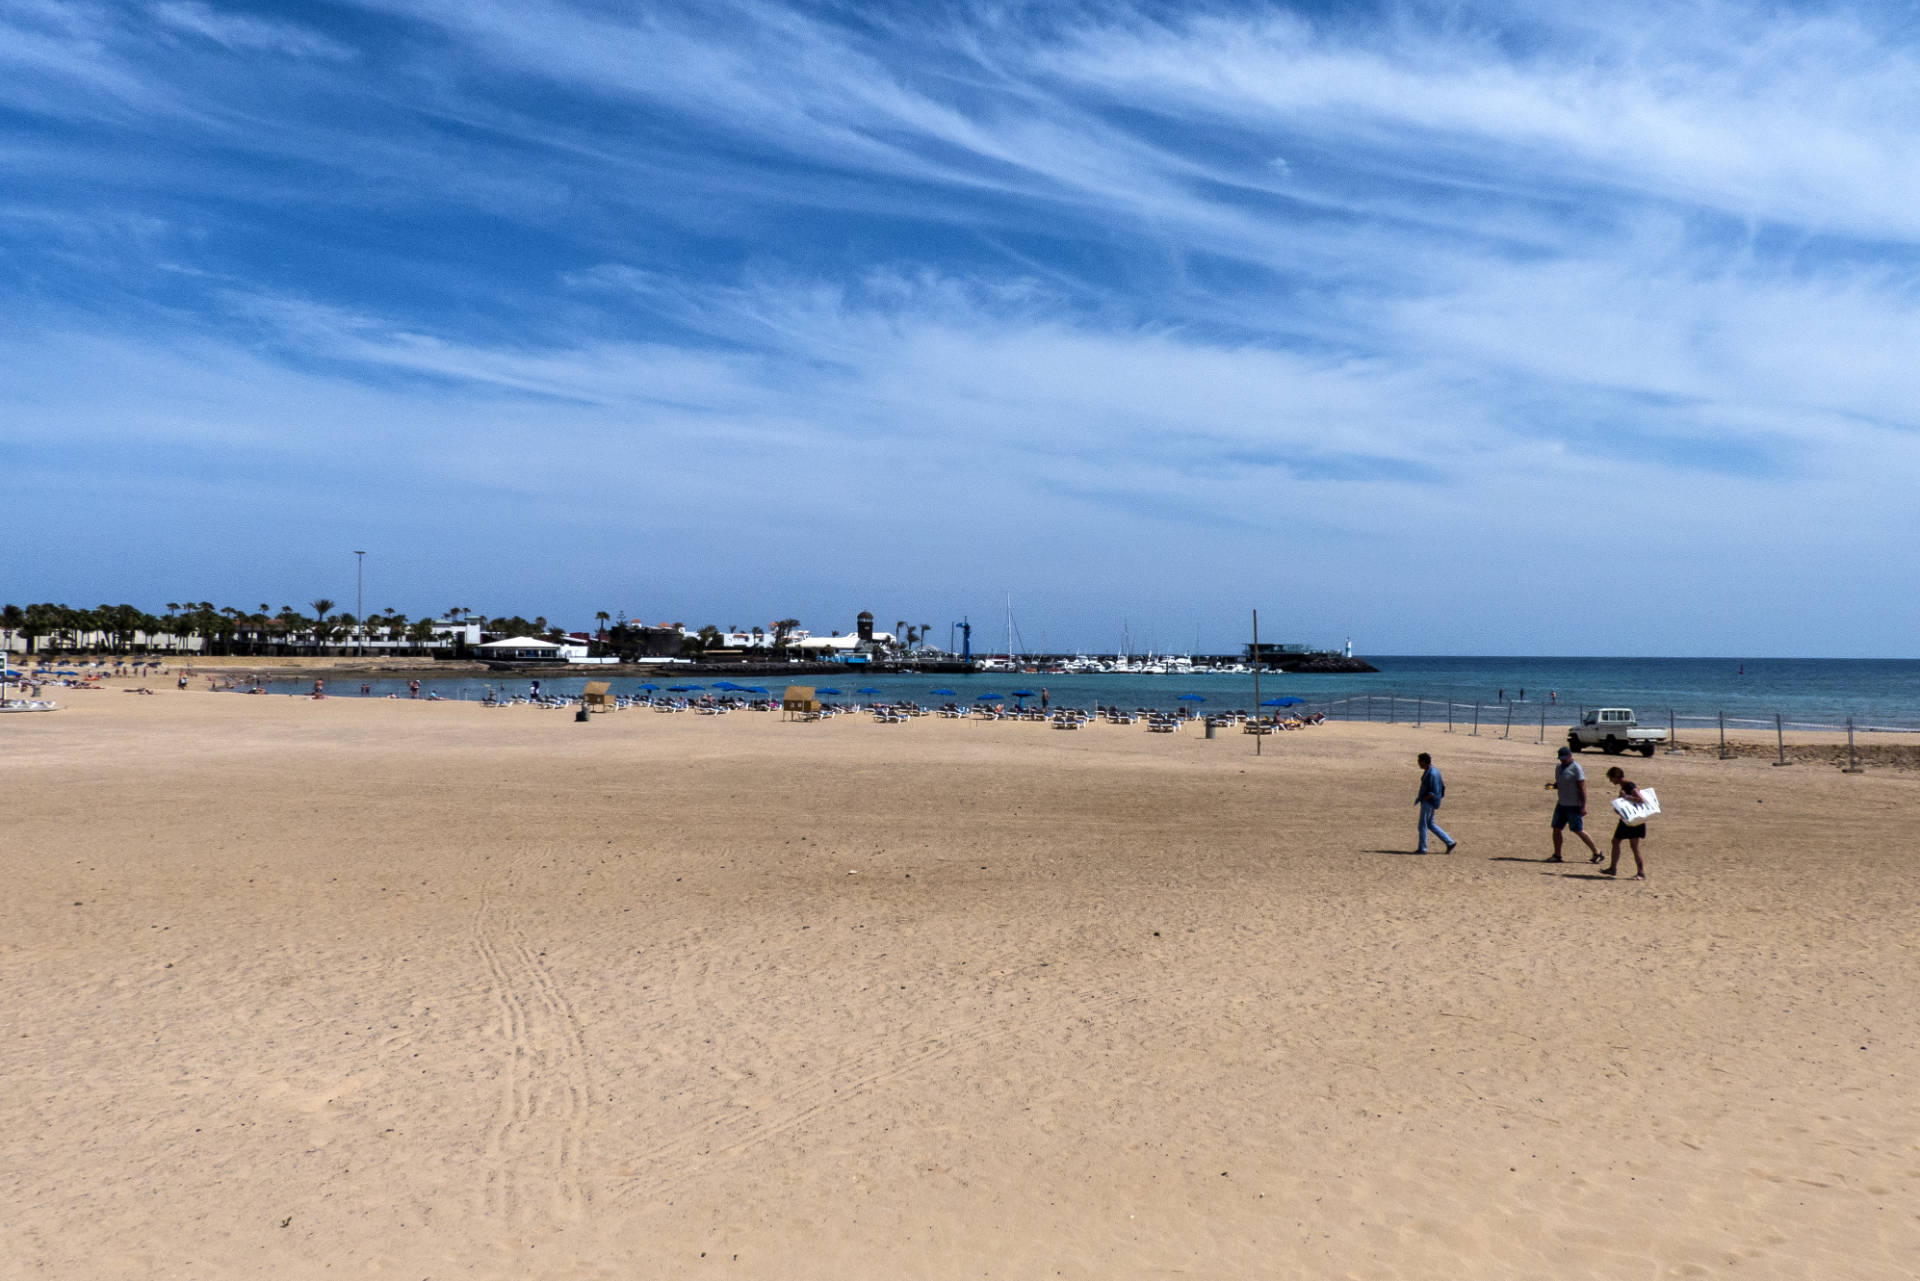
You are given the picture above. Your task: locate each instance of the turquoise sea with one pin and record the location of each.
(1882, 694)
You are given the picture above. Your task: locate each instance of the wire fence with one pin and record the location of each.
(1542, 721)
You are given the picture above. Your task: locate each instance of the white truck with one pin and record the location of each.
(1614, 730)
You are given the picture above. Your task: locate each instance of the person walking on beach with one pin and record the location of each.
(1043, 698)
(1570, 807)
(1631, 833)
(1433, 790)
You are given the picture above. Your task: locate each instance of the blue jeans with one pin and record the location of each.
(1428, 825)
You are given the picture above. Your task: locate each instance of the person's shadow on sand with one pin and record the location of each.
(1515, 858)
(1407, 853)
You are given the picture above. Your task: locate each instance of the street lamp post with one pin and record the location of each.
(360, 599)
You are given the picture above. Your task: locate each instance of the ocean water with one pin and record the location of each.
(1876, 694)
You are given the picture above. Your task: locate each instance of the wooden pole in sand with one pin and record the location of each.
(1853, 763)
(1673, 735)
(1543, 723)
(1256, 682)
(1509, 730)
(1723, 734)
(1780, 734)
(1449, 711)
(1419, 709)
(1476, 719)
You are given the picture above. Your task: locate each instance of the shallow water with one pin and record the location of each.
(1804, 693)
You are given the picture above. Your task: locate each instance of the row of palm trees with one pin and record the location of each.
(203, 627)
(226, 629)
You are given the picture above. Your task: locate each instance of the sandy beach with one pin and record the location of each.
(409, 989)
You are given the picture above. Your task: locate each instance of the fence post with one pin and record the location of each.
(1476, 720)
(1723, 734)
(1509, 729)
(1673, 735)
(1543, 722)
(1449, 713)
(1853, 763)
(1780, 734)
(1419, 709)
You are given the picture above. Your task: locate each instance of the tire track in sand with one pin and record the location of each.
(538, 1136)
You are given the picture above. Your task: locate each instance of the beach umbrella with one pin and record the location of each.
(943, 693)
(869, 690)
(979, 697)
(834, 692)
(1023, 693)
(1283, 702)
(1192, 698)
(649, 687)
(753, 689)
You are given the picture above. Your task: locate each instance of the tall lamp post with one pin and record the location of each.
(360, 599)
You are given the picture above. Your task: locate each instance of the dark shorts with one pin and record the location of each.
(1626, 831)
(1569, 816)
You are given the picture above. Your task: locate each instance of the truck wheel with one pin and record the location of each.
(1646, 749)
(1574, 742)
(1612, 746)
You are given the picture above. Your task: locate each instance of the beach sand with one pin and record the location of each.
(408, 989)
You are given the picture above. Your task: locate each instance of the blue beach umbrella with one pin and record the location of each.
(869, 690)
(1283, 702)
(834, 692)
(677, 689)
(649, 687)
(1023, 693)
(754, 689)
(981, 697)
(1192, 698)
(943, 693)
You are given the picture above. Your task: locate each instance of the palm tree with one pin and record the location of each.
(603, 618)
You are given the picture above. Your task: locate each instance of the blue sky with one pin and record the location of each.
(1456, 328)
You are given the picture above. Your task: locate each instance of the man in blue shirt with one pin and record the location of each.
(1433, 789)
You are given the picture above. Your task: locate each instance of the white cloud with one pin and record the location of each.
(242, 33)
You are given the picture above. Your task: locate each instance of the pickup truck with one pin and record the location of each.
(1614, 730)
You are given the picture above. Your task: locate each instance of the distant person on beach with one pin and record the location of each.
(533, 690)
(1503, 696)
(1570, 807)
(183, 680)
(1631, 833)
(1433, 790)
(413, 688)
(319, 689)
(1044, 700)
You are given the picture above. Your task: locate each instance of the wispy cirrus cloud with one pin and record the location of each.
(1113, 275)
